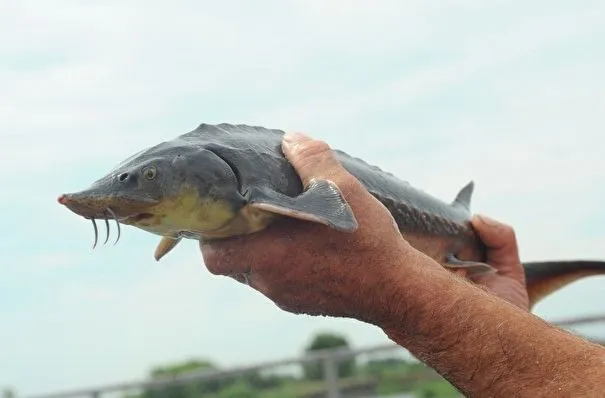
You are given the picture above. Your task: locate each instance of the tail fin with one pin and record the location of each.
(546, 277)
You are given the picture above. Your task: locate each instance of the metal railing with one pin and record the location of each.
(328, 358)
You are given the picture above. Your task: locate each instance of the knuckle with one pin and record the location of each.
(216, 261)
(313, 148)
(508, 232)
(285, 307)
(270, 291)
(354, 192)
(239, 277)
(347, 183)
(213, 267)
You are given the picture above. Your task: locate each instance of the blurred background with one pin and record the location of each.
(509, 94)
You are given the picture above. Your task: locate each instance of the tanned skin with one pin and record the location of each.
(477, 334)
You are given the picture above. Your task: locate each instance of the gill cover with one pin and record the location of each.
(207, 197)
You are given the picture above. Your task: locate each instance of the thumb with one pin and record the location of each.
(501, 242)
(312, 159)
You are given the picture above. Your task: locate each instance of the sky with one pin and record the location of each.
(509, 94)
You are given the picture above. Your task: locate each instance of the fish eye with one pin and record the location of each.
(149, 172)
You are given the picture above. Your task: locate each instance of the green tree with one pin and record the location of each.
(182, 367)
(323, 341)
(377, 367)
(239, 389)
(436, 388)
(246, 385)
(189, 390)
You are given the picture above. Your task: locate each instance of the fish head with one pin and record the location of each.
(173, 189)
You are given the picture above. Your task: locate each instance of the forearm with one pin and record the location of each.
(486, 346)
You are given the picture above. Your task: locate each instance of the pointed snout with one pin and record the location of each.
(94, 204)
(86, 204)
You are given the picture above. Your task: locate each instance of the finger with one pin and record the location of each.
(313, 159)
(461, 272)
(501, 242)
(237, 255)
(225, 258)
(242, 278)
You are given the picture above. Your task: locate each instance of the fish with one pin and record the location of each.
(222, 180)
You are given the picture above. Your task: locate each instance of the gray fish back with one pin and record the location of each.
(254, 153)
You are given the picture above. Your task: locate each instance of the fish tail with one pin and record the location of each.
(545, 277)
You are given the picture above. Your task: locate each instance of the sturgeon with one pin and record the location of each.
(222, 180)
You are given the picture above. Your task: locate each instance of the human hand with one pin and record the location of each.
(308, 268)
(503, 254)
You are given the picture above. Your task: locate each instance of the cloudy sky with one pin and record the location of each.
(509, 94)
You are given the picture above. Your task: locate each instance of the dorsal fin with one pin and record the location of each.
(463, 198)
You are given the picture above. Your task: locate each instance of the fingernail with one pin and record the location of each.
(291, 139)
(488, 221)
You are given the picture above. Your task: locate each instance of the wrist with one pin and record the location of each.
(472, 338)
(406, 288)
(423, 296)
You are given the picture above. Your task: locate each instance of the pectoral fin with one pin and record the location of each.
(472, 267)
(322, 203)
(166, 244)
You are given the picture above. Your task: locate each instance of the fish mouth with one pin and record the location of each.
(95, 206)
(138, 218)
